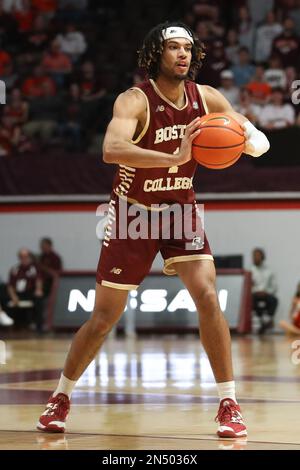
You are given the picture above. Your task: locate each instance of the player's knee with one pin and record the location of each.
(102, 322)
(208, 298)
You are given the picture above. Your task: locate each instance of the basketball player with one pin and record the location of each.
(150, 138)
(293, 327)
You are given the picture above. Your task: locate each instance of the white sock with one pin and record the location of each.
(65, 386)
(227, 390)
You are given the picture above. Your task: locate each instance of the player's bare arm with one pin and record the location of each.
(256, 141)
(129, 116)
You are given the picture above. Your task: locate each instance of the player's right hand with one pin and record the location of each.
(191, 131)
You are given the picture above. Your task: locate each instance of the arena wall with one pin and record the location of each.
(233, 227)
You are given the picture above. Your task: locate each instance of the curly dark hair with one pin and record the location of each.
(150, 54)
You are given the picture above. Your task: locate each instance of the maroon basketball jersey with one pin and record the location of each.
(163, 131)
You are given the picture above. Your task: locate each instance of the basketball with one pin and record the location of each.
(220, 142)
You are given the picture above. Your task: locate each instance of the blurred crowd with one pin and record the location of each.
(64, 62)
(24, 298)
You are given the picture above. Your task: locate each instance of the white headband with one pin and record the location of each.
(176, 32)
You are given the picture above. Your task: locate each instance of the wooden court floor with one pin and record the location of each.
(151, 393)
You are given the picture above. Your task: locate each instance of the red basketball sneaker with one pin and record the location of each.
(230, 419)
(54, 417)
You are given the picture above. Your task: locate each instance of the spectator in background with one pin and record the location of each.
(72, 42)
(260, 90)
(56, 63)
(293, 327)
(205, 9)
(24, 16)
(232, 47)
(259, 9)
(12, 138)
(285, 6)
(44, 114)
(36, 40)
(277, 114)
(33, 87)
(215, 64)
(265, 35)
(215, 25)
(90, 85)
(17, 108)
(9, 76)
(70, 129)
(47, 8)
(243, 71)
(247, 107)
(286, 45)
(203, 33)
(50, 264)
(96, 104)
(264, 288)
(228, 88)
(245, 29)
(275, 75)
(25, 284)
(5, 59)
(9, 5)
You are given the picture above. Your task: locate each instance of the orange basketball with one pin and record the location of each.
(220, 142)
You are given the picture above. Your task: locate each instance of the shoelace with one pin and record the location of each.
(61, 407)
(228, 413)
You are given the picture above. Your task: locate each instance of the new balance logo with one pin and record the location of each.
(116, 271)
(198, 242)
(160, 108)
